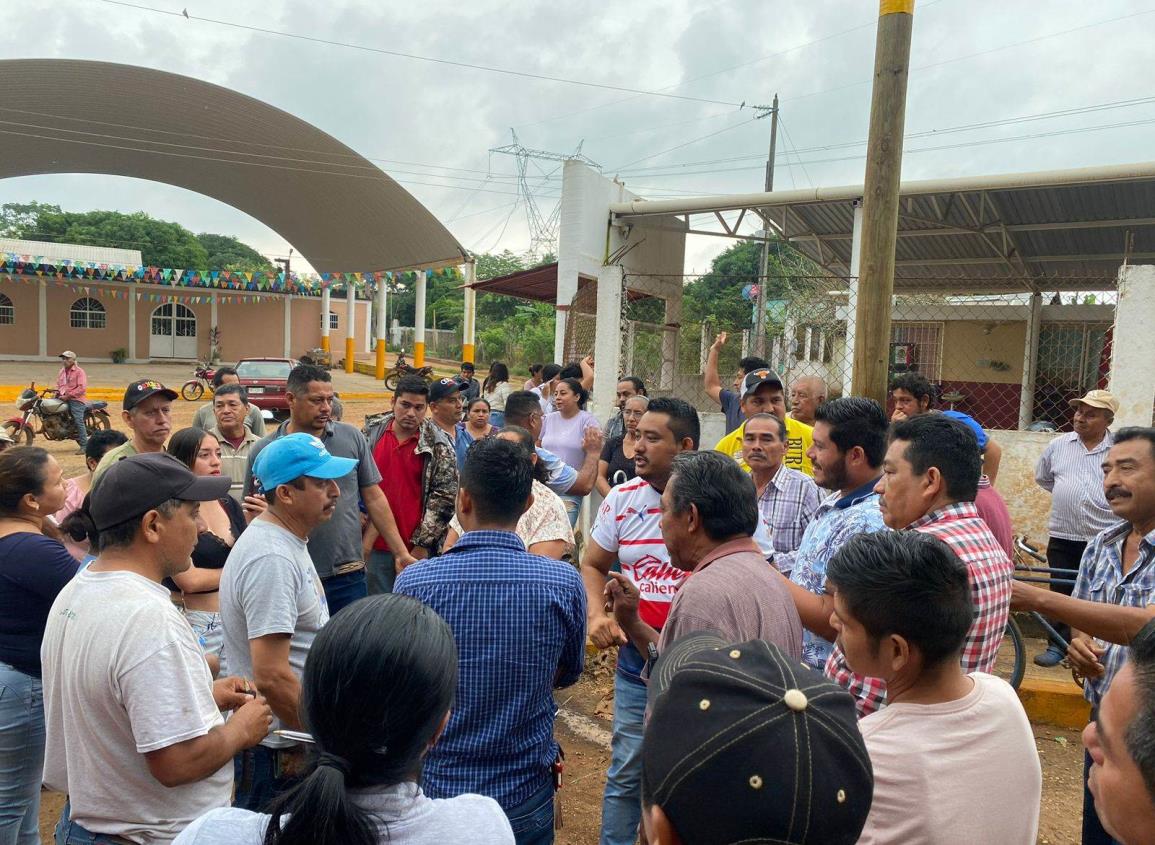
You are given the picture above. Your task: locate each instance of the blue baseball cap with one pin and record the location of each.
(972, 424)
(295, 455)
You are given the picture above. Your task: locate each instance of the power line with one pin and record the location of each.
(927, 133)
(414, 56)
(685, 144)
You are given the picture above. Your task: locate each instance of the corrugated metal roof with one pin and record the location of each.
(337, 208)
(1057, 230)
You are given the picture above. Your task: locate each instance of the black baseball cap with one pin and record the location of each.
(745, 744)
(445, 387)
(140, 390)
(133, 486)
(758, 378)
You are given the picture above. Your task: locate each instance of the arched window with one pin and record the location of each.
(7, 312)
(87, 313)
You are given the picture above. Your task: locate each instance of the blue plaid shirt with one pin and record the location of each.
(1101, 579)
(519, 622)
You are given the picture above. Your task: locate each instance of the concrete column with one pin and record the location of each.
(419, 322)
(288, 326)
(1030, 362)
(608, 341)
(852, 302)
(132, 325)
(704, 347)
(670, 340)
(382, 329)
(368, 324)
(325, 318)
(350, 326)
(1133, 347)
(42, 314)
(469, 317)
(631, 339)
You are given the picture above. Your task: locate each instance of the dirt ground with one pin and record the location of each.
(584, 726)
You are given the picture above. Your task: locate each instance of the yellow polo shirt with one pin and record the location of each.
(799, 439)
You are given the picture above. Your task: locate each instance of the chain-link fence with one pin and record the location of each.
(976, 349)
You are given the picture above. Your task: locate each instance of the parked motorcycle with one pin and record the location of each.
(404, 368)
(202, 380)
(55, 418)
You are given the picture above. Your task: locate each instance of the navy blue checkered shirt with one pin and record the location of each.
(519, 621)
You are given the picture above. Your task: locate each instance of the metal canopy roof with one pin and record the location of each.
(1050, 230)
(537, 283)
(333, 205)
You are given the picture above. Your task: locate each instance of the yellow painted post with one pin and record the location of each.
(419, 322)
(381, 328)
(469, 319)
(350, 325)
(325, 306)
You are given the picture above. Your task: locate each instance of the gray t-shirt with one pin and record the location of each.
(337, 541)
(401, 815)
(269, 586)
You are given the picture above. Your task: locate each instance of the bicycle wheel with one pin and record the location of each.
(192, 390)
(96, 422)
(1011, 663)
(16, 431)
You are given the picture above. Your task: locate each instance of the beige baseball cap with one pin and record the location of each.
(67, 353)
(1098, 399)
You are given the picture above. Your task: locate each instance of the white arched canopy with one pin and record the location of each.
(339, 210)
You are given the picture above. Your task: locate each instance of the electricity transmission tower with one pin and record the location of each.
(543, 229)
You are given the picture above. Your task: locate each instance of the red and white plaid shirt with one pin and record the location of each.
(991, 572)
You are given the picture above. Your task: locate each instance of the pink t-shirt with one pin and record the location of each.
(73, 499)
(993, 510)
(959, 773)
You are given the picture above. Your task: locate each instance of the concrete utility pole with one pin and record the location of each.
(764, 264)
(880, 198)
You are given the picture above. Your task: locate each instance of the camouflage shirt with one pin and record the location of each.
(438, 478)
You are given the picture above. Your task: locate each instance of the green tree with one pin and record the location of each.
(227, 253)
(161, 243)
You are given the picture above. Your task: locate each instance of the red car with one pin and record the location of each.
(265, 379)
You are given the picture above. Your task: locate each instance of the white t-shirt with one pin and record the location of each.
(959, 773)
(123, 676)
(402, 815)
(270, 586)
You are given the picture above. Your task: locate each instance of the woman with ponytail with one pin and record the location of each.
(376, 693)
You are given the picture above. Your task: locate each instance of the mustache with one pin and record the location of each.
(1117, 493)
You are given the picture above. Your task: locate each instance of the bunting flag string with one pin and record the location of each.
(15, 265)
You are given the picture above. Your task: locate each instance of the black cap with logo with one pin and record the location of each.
(133, 486)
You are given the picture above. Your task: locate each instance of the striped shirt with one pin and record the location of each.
(990, 572)
(786, 506)
(519, 622)
(1073, 475)
(1101, 579)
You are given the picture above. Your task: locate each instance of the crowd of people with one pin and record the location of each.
(325, 634)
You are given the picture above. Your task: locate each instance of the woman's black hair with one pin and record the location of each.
(474, 401)
(79, 526)
(577, 387)
(186, 444)
(540, 470)
(102, 441)
(396, 658)
(22, 471)
(498, 373)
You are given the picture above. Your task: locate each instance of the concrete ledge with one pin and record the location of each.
(1058, 703)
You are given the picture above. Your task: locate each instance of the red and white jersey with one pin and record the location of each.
(629, 525)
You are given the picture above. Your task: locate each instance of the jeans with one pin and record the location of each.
(1093, 832)
(70, 833)
(532, 820)
(1064, 554)
(381, 572)
(497, 419)
(76, 407)
(206, 625)
(342, 590)
(573, 506)
(622, 801)
(21, 756)
(258, 779)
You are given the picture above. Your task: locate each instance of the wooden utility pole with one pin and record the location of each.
(764, 263)
(880, 198)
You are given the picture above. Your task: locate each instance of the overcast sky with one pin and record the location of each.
(430, 125)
